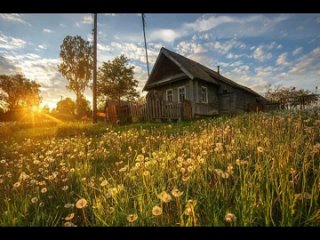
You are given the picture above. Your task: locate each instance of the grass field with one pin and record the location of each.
(259, 169)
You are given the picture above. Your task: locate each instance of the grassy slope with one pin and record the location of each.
(263, 169)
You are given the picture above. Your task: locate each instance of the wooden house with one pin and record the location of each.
(179, 88)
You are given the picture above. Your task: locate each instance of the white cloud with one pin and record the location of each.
(47, 30)
(87, 19)
(185, 48)
(205, 24)
(8, 42)
(296, 51)
(224, 47)
(282, 59)
(134, 52)
(260, 55)
(13, 18)
(166, 35)
(264, 71)
(42, 46)
(307, 63)
(103, 47)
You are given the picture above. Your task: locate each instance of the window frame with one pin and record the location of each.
(167, 96)
(185, 93)
(206, 100)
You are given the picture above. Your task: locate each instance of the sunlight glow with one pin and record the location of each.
(35, 109)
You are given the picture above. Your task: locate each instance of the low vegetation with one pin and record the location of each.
(259, 169)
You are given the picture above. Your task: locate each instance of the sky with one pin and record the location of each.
(255, 50)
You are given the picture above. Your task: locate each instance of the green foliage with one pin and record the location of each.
(77, 64)
(18, 92)
(116, 80)
(66, 106)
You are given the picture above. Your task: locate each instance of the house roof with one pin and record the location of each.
(195, 70)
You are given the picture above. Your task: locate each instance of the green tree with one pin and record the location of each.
(84, 109)
(17, 92)
(76, 66)
(66, 106)
(116, 80)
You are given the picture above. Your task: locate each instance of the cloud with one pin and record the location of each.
(264, 71)
(282, 59)
(7, 66)
(103, 47)
(47, 30)
(260, 55)
(307, 63)
(134, 52)
(17, 18)
(207, 23)
(223, 47)
(42, 46)
(8, 42)
(166, 35)
(296, 51)
(87, 19)
(188, 48)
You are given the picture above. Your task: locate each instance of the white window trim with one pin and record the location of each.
(170, 89)
(203, 87)
(185, 93)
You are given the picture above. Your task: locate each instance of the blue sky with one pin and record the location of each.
(252, 49)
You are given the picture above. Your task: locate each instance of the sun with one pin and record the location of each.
(35, 109)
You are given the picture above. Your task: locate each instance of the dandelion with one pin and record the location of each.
(65, 188)
(191, 203)
(110, 210)
(176, 193)
(140, 158)
(41, 204)
(132, 217)
(156, 211)
(81, 203)
(124, 169)
(185, 178)
(230, 218)
(230, 169)
(104, 183)
(190, 169)
(260, 149)
(34, 200)
(44, 190)
(146, 173)
(164, 197)
(17, 184)
(69, 205)
(69, 217)
(188, 211)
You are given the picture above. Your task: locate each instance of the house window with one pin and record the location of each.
(181, 94)
(169, 95)
(204, 95)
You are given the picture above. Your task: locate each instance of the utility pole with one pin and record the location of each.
(145, 42)
(94, 85)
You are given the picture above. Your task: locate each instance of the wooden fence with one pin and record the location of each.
(150, 111)
(156, 109)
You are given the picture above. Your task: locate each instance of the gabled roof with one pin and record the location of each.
(195, 70)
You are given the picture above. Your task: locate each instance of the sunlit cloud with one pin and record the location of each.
(8, 42)
(14, 18)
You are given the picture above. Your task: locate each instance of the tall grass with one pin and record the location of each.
(257, 169)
